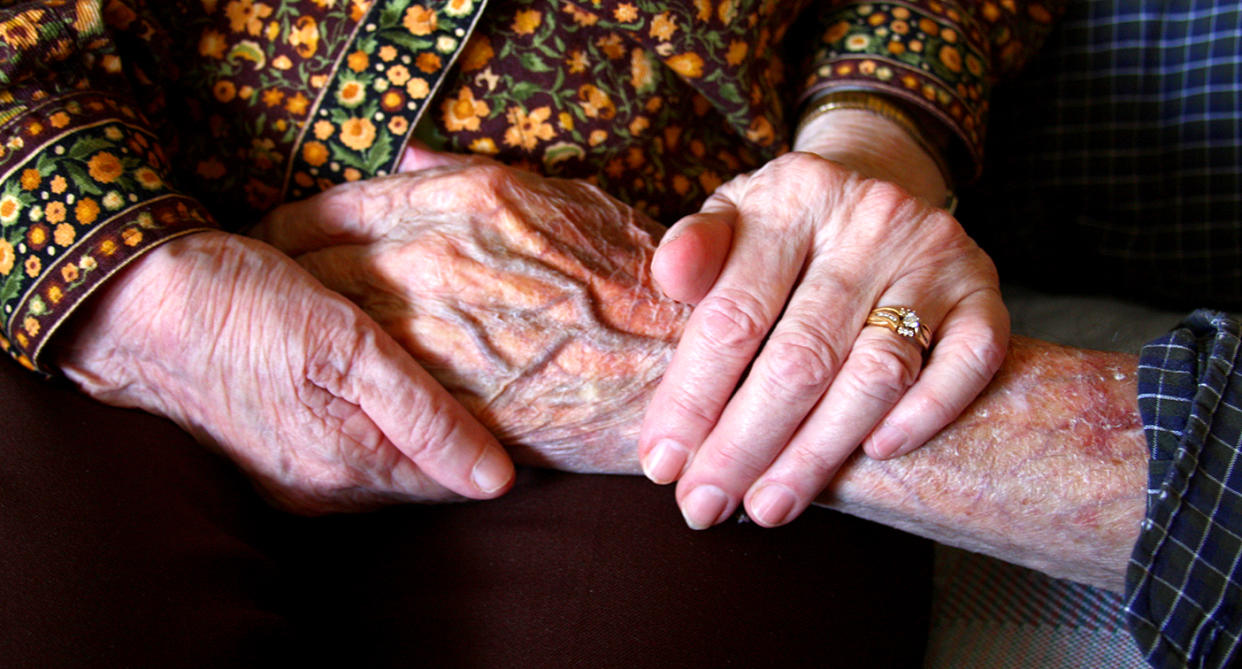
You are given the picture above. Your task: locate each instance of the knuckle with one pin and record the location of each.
(939, 226)
(807, 174)
(886, 192)
(475, 186)
(893, 209)
(881, 373)
(738, 459)
(815, 465)
(989, 354)
(434, 430)
(732, 319)
(338, 340)
(800, 364)
(488, 177)
(690, 409)
(801, 162)
(935, 410)
(986, 268)
(982, 353)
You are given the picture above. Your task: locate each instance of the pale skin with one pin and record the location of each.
(557, 344)
(164, 376)
(328, 408)
(783, 266)
(242, 348)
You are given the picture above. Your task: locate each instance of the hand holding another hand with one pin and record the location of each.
(245, 350)
(777, 380)
(529, 298)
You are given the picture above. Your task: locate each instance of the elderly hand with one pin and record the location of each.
(530, 299)
(244, 349)
(785, 265)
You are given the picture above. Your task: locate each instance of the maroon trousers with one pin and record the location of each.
(124, 543)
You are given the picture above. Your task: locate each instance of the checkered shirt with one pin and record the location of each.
(1114, 161)
(1184, 584)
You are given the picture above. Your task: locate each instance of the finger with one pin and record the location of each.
(970, 347)
(418, 416)
(880, 368)
(720, 339)
(383, 474)
(345, 214)
(691, 254)
(343, 269)
(417, 156)
(799, 361)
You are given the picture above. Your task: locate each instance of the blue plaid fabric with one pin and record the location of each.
(1184, 584)
(1114, 162)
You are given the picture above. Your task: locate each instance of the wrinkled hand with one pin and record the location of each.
(530, 299)
(241, 347)
(785, 264)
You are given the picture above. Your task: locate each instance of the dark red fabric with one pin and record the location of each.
(123, 543)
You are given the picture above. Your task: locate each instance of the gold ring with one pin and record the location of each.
(903, 321)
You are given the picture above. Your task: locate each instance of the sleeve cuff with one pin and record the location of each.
(927, 55)
(1184, 582)
(84, 191)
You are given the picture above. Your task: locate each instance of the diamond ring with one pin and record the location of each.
(903, 321)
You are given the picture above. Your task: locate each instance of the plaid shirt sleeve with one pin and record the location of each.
(1184, 583)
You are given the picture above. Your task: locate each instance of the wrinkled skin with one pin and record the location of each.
(529, 299)
(245, 350)
(777, 379)
(1046, 468)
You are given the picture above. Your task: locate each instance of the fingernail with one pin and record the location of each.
(670, 237)
(665, 462)
(887, 441)
(772, 505)
(704, 506)
(492, 472)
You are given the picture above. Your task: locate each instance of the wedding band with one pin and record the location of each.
(903, 321)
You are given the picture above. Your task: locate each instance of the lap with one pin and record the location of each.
(127, 543)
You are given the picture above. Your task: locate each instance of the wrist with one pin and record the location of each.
(1045, 469)
(880, 146)
(108, 343)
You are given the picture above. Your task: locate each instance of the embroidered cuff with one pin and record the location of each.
(83, 191)
(925, 54)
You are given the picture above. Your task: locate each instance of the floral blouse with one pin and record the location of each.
(126, 123)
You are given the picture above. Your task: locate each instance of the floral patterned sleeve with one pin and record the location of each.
(939, 57)
(84, 187)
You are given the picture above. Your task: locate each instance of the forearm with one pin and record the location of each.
(1046, 469)
(533, 302)
(86, 188)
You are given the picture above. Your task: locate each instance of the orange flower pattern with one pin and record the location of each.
(931, 55)
(620, 89)
(658, 103)
(62, 208)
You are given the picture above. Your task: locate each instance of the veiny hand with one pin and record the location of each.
(244, 349)
(785, 264)
(530, 299)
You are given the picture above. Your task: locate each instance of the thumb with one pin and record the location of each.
(348, 213)
(690, 256)
(419, 156)
(422, 420)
